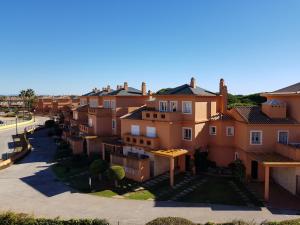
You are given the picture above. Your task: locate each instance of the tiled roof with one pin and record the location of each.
(186, 90)
(290, 89)
(97, 93)
(136, 114)
(129, 92)
(81, 108)
(253, 114)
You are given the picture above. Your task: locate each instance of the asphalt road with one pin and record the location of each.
(31, 187)
(6, 141)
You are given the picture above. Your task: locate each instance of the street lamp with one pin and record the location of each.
(16, 124)
(34, 115)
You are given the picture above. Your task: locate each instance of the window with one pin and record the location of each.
(230, 131)
(90, 122)
(256, 137)
(113, 104)
(83, 101)
(113, 124)
(213, 130)
(173, 106)
(187, 134)
(283, 137)
(163, 106)
(187, 107)
(135, 130)
(151, 132)
(93, 103)
(106, 104)
(75, 115)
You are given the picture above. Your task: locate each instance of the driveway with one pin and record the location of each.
(6, 141)
(31, 187)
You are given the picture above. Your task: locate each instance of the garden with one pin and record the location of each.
(95, 176)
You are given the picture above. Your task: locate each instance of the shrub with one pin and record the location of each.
(170, 221)
(49, 123)
(238, 170)
(98, 167)
(116, 173)
(10, 218)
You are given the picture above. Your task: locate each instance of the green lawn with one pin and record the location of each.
(215, 190)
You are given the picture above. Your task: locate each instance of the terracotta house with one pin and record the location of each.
(162, 135)
(102, 116)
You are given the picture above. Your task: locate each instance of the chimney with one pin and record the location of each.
(224, 96)
(108, 88)
(144, 89)
(125, 86)
(117, 88)
(193, 83)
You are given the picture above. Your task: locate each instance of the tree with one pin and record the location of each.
(98, 167)
(28, 97)
(116, 173)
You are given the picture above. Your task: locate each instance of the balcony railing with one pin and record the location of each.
(161, 116)
(100, 111)
(84, 128)
(142, 141)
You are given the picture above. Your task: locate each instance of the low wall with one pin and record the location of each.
(17, 155)
(19, 124)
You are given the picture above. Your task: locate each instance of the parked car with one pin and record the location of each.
(1, 122)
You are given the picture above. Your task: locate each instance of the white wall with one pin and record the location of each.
(286, 177)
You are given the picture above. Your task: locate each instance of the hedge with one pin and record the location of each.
(170, 221)
(10, 218)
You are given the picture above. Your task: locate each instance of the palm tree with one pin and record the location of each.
(23, 97)
(31, 98)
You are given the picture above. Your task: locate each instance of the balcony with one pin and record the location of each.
(161, 116)
(84, 128)
(152, 143)
(100, 111)
(291, 150)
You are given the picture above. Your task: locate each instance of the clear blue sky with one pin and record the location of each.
(64, 47)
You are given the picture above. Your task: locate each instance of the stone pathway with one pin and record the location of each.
(241, 193)
(188, 190)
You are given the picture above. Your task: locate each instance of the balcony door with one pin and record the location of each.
(283, 137)
(151, 132)
(135, 130)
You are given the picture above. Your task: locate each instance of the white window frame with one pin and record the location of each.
(166, 105)
(90, 122)
(176, 106)
(108, 104)
(113, 104)
(147, 132)
(210, 130)
(232, 131)
(113, 124)
(261, 137)
(133, 133)
(286, 131)
(93, 103)
(187, 102)
(183, 133)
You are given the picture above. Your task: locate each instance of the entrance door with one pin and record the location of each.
(298, 185)
(254, 169)
(84, 147)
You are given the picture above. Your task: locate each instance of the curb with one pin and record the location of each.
(19, 124)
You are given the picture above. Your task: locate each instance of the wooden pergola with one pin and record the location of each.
(272, 160)
(171, 154)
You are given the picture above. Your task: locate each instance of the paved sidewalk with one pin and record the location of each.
(31, 187)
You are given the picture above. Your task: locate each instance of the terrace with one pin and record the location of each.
(142, 141)
(161, 116)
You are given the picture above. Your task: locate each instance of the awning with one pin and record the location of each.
(273, 159)
(171, 153)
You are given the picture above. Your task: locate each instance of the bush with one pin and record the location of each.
(49, 123)
(116, 173)
(170, 221)
(10, 218)
(98, 167)
(238, 170)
